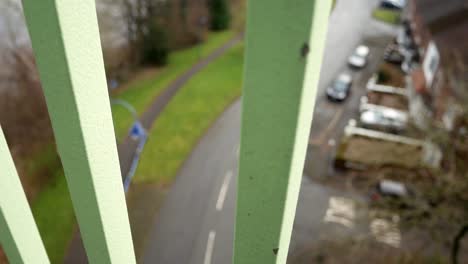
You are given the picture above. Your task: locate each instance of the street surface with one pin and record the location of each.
(195, 224)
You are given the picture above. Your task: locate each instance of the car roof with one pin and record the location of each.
(388, 113)
(372, 116)
(344, 77)
(362, 50)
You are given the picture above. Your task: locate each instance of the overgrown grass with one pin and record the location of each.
(387, 16)
(43, 158)
(142, 93)
(38, 168)
(188, 115)
(55, 219)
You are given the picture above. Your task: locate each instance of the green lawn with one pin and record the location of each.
(387, 16)
(55, 219)
(188, 115)
(142, 93)
(45, 158)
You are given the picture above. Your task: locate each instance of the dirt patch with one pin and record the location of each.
(389, 74)
(389, 100)
(376, 153)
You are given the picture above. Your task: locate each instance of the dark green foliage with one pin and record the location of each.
(383, 76)
(220, 16)
(183, 10)
(155, 48)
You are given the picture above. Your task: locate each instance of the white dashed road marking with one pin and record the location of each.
(209, 247)
(223, 191)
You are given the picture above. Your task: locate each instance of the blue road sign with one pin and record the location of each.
(137, 130)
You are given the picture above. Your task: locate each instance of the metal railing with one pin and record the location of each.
(285, 41)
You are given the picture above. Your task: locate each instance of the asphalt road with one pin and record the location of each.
(196, 222)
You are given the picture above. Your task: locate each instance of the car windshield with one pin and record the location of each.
(340, 86)
(356, 58)
(378, 117)
(394, 116)
(374, 117)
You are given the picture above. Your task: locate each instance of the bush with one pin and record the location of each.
(387, 16)
(383, 76)
(219, 12)
(155, 47)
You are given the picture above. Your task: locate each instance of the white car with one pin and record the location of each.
(359, 57)
(389, 120)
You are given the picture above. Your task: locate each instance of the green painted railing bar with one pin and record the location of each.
(18, 232)
(65, 40)
(285, 43)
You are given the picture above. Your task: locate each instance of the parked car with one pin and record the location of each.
(388, 120)
(359, 57)
(393, 4)
(340, 88)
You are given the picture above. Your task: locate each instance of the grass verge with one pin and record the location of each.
(55, 219)
(141, 94)
(188, 115)
(387, 16)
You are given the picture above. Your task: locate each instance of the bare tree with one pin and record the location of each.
(457, 75)
(140, 15)
(23, 112)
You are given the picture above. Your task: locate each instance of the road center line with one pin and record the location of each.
(223, 191)
(209, 247)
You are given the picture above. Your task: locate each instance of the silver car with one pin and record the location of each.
(340, 88)
(359, 57)
(389, 120)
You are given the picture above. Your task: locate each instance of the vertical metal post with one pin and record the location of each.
(18, 232)
(285, 43)
(65, 39)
